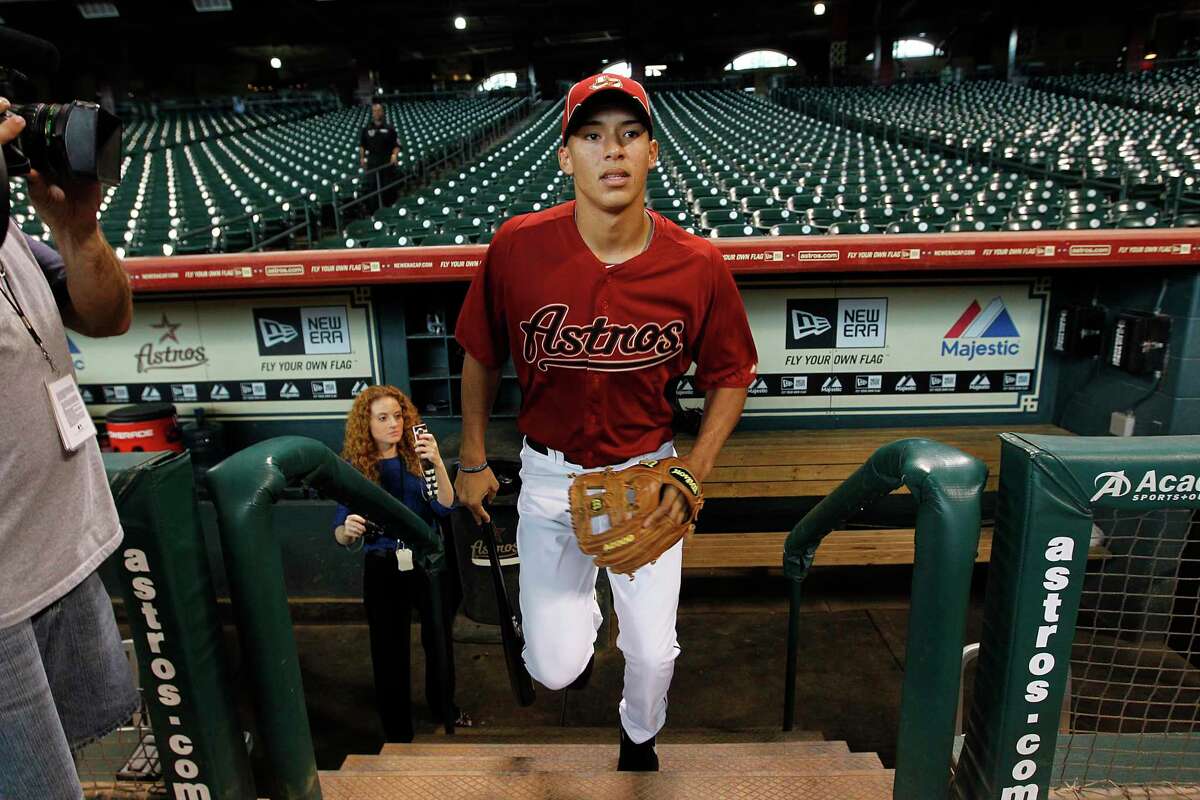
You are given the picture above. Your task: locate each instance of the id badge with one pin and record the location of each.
(404, 559)
(74, 423)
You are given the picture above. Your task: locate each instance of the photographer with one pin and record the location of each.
(64, 679)
(379, 443)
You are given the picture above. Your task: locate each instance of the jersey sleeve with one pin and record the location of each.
(53, 268)
(724, 353)
(482, 326)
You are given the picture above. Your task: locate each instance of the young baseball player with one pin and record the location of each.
(600, 302)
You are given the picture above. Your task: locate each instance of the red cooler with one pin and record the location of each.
(147, 427)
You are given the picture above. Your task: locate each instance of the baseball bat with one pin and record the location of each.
(511, 634)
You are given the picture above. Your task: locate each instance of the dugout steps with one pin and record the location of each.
(538, 763)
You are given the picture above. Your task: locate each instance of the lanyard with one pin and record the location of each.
(11, 296)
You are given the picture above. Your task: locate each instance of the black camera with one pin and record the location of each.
(373, 531)
(66, 141)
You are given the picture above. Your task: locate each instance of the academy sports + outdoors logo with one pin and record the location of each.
(598, 345)
(1150, 486)
(992, 322)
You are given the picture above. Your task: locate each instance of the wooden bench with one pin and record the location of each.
(809, 463)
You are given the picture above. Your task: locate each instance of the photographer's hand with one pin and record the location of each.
(12, 126)
(101, 301)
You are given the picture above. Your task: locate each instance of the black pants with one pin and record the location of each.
(380, 180)
(389, 596)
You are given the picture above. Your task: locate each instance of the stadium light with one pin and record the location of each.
(460, 23)
(276, 63)
(1150, 56)
(819, 9)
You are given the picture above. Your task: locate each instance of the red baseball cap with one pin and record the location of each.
(588, 88)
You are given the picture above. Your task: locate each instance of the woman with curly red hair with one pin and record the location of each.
(380, 444)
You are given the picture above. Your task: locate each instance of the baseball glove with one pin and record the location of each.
(626, 497)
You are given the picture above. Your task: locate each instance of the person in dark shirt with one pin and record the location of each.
(379, 444)
(379, 153)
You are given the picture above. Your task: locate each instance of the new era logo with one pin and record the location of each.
(276, 333)
(805, 324)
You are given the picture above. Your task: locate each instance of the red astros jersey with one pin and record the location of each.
(594, 345)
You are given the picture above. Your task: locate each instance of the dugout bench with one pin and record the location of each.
(759, 465)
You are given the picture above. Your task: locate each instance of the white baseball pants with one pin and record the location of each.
(560, 615)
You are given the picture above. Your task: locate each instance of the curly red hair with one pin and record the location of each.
(358, 446)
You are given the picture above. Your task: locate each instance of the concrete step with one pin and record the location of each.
(873, 785)
(585, 735)
(579, 751)
(695, 760)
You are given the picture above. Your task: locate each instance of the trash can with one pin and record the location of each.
(479, 599)
(144, 428)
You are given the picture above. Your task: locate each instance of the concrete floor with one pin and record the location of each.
(732, 630)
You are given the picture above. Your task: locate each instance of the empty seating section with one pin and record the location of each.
(1083, 152)
(1118, 155)
(1174, 90)
(171, 128)
(227, 193)
(467, 206)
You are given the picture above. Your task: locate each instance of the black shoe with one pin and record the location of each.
(581, 681)
(636, 757)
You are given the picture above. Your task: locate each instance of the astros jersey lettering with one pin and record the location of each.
(594, 345)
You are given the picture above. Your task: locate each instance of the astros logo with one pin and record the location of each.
(605, 80)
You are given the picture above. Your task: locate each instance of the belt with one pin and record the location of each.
(538, 447)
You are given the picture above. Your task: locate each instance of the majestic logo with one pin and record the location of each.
(806, 324)
(906, 384)
(758, 386)
(151, 395)
(289, 391)
(599, 345)
(992, 323)
(1149, 487)
(152, 356)
(980, 383)
(831, 385)
(274, 333)
(219, 392)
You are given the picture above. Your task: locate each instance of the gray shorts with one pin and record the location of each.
(64, 682)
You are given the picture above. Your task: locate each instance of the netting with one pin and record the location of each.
(1133, 725)
(123, 765)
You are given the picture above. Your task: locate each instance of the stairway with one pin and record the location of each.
(580, 764)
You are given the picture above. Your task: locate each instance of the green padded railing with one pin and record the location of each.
(948, 487)
(245, 487)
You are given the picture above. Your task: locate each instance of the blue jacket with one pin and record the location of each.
(405, 487)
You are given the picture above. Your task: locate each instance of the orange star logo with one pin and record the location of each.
(168, 329)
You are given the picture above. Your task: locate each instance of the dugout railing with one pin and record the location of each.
(192, 745)
(947, 486)
(1120, 632)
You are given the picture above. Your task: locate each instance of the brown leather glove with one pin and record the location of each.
(626, 497)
